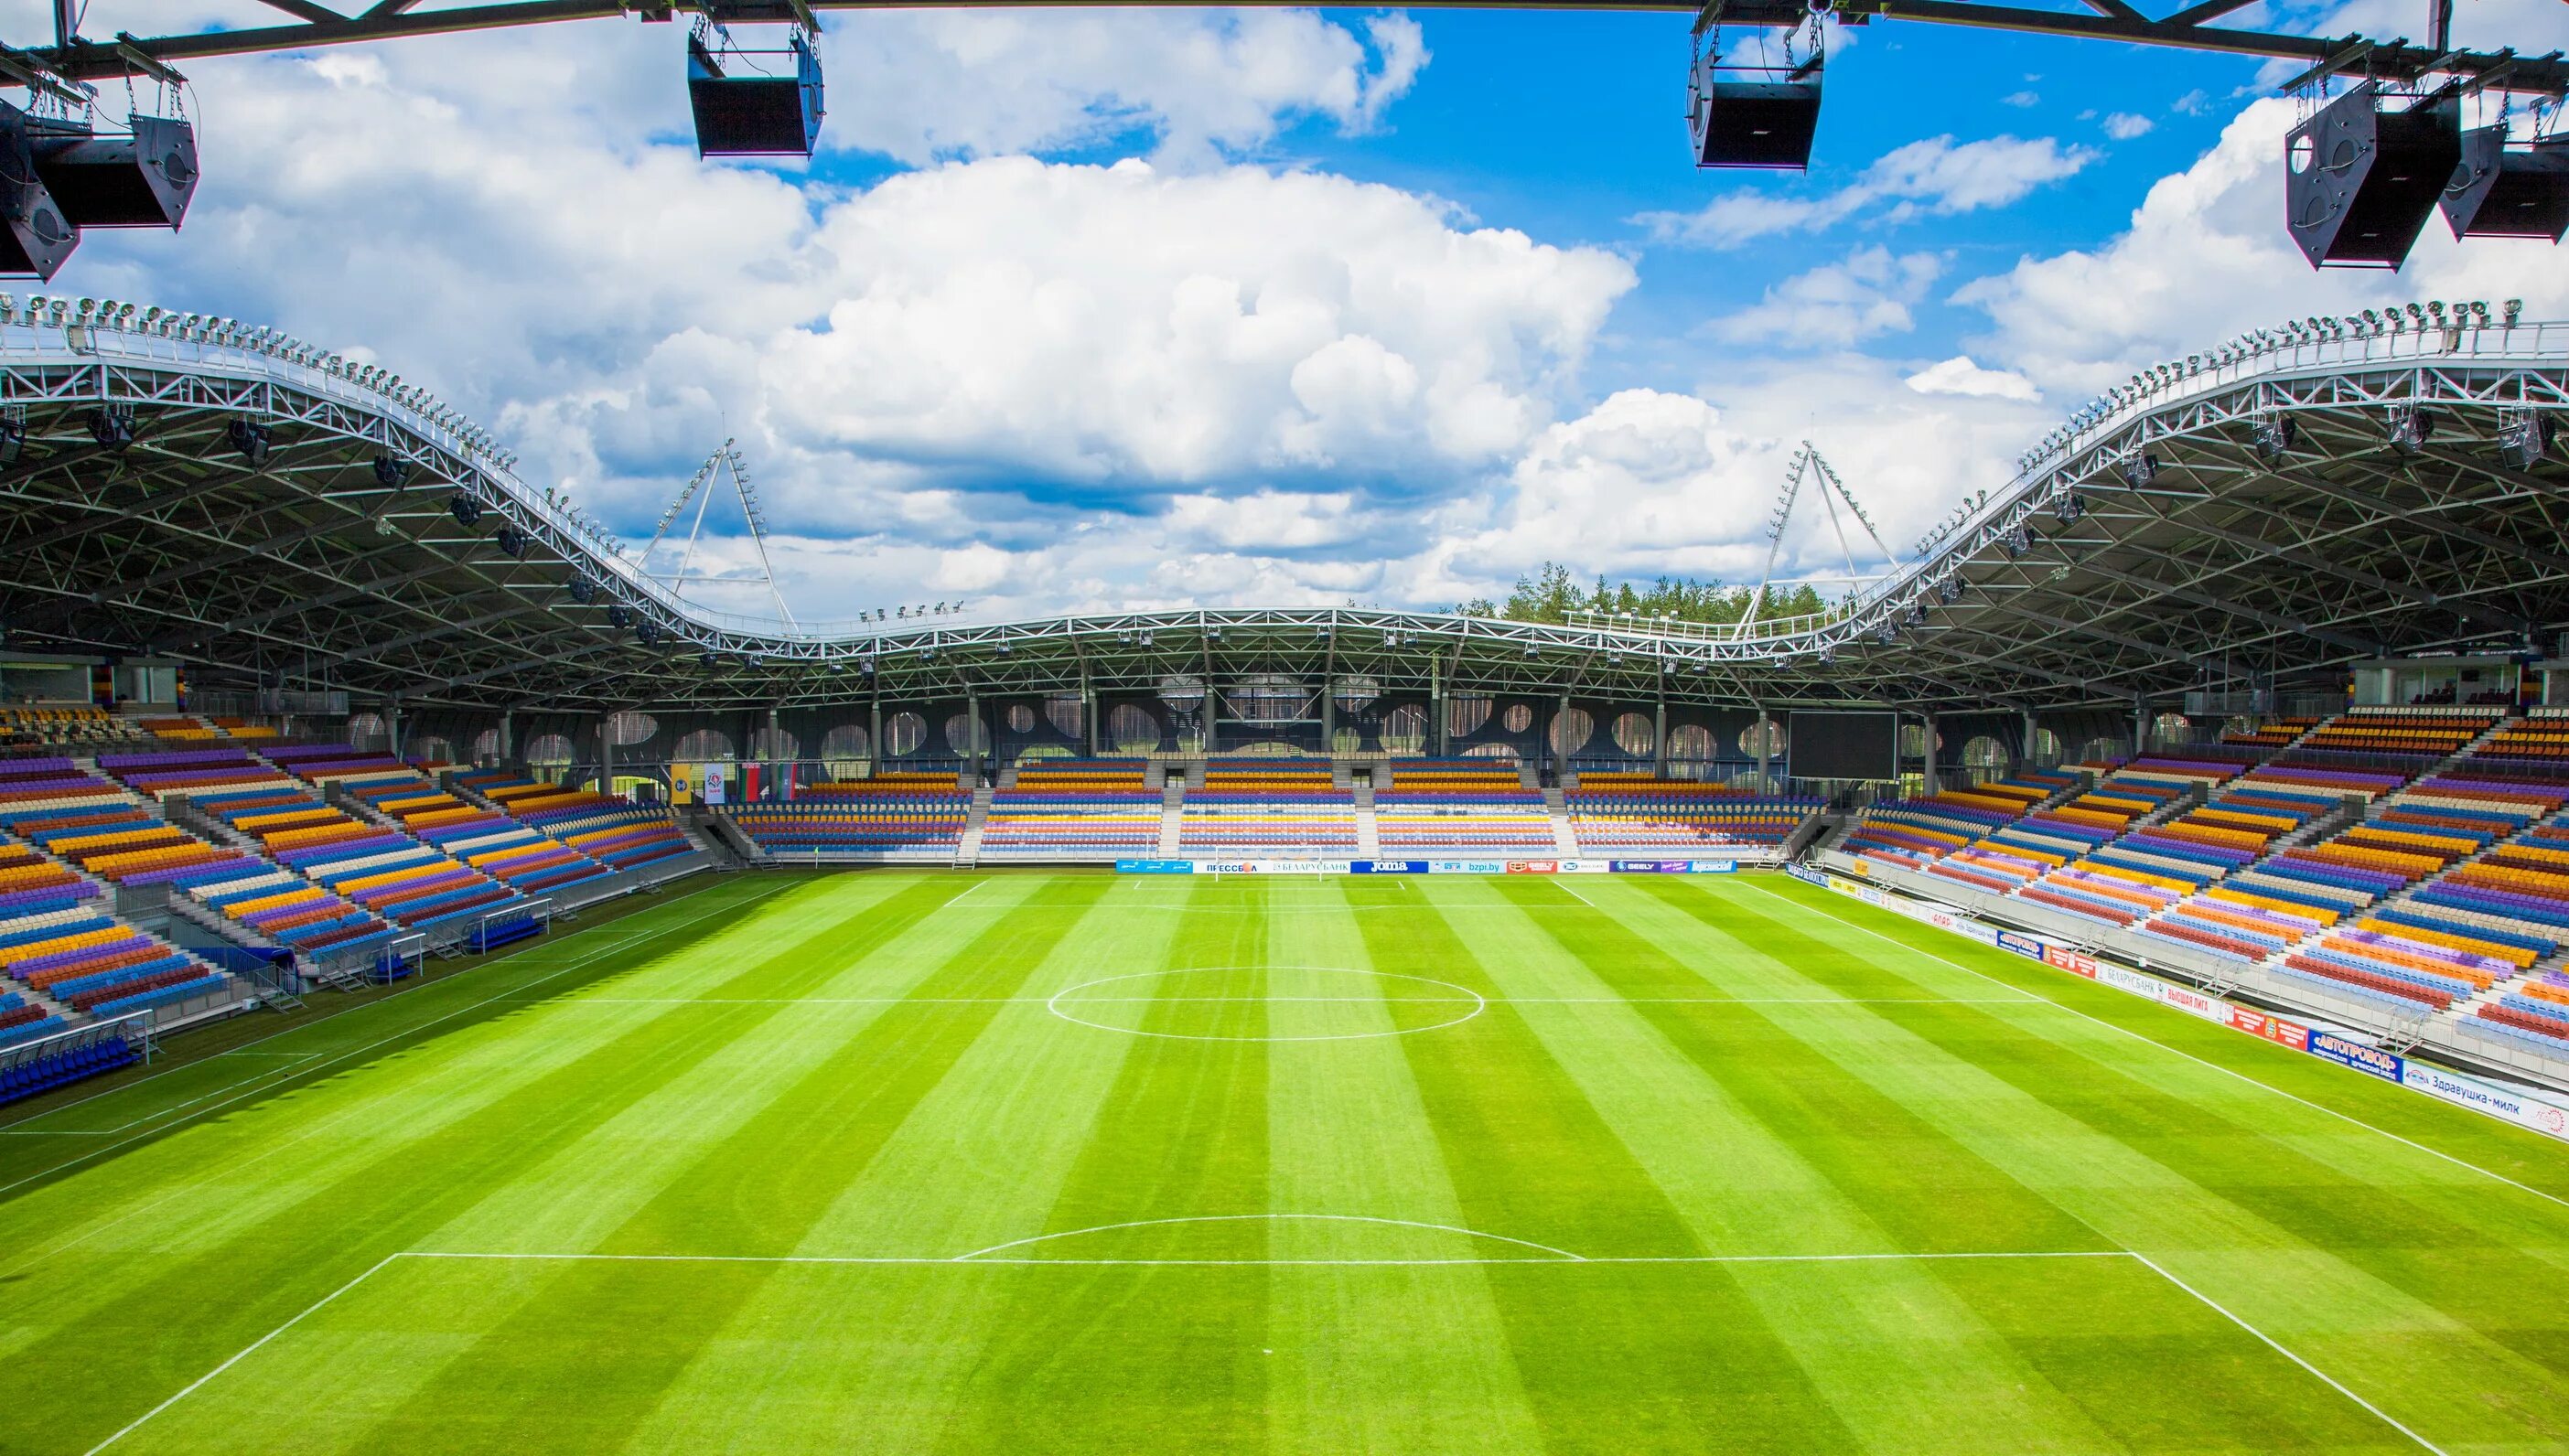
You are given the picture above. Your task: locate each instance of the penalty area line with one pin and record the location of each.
(2171, 1050)
(2378, 1414)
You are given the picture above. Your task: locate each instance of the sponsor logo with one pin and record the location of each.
(1391, 867)
(1647, 867)
(2368, 1059)
(2197, 1003)
(2273, 1028)
(1466, 866)
(2024, 945)
(1534, 867)
(1713, 867)
(2062, 957)
(1155, 867)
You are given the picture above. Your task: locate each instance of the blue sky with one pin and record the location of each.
(1083, 308)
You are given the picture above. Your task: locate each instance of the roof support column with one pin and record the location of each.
(507, 734)
(1765, 753)
(767, 788)
(1436, 706)
(605, 754)
(1930, 720)
(1659, 732)
(874, 732)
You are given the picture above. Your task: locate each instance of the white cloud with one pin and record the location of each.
(2194, 103)
(1837, 304)
(1937, 176)
(931, 83)
(1959, 375)
(2124, 126)
(2022, 99)
(2207, 256)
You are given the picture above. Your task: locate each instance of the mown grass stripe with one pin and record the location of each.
(1386, 1360)
(981, 1157)
(1531, 1159)
(1111, 1359)
(758, 1190)
(1694, 1090)
(2399, 1324)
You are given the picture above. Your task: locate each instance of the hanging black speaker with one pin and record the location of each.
(35, 237)
(2498, 192)
(1753, 117)
(2359, 181)
(139, 178)
(754, 114)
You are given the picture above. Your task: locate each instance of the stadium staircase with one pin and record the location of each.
(1368, 832)
(1562, 842)
(967, 850)
(1173, 798)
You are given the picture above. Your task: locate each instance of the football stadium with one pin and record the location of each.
(2100, 984)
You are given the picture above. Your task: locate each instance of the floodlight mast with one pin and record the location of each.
(1808, 461)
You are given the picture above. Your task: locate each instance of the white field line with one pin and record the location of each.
(1267, 1219)
(2177, 1052)
(192, 1386)
(994, 1256)
(230, 1170)
(2272, 1343)
(1561, 884)
(1495, 1000)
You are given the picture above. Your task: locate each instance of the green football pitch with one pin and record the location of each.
(926, 1163)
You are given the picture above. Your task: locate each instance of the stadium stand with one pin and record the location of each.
(1266, 807)
(1073, 808)
(1614, 812)
(907, 816)
(1463, 805)
(612, 832)
(81, 728)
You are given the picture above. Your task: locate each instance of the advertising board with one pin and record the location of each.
(2076, 963)
(2367, 1059)
(1155, 867)
(2024, 945)
(1391, 867)
(2506, 1103)
(2273, 1028)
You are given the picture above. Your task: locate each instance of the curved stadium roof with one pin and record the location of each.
(2148, 547)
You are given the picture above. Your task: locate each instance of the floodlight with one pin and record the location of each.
(35, 237)
(752, 115)
(583, 591)
(392, 472)
(2068, 507)
(648, 633)
(619, 616)
(141, 177)
(2503, 192)
(2275, 437)
(250, 441)
(2140, 470)
(13, 441)
(510, 541)
(2361, 180)
(1746, 115)
(1949, 590)
(2526, 442)
(112, 426)
(466, 509)
(2409, 430)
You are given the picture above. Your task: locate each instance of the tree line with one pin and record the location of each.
(1552, 594)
